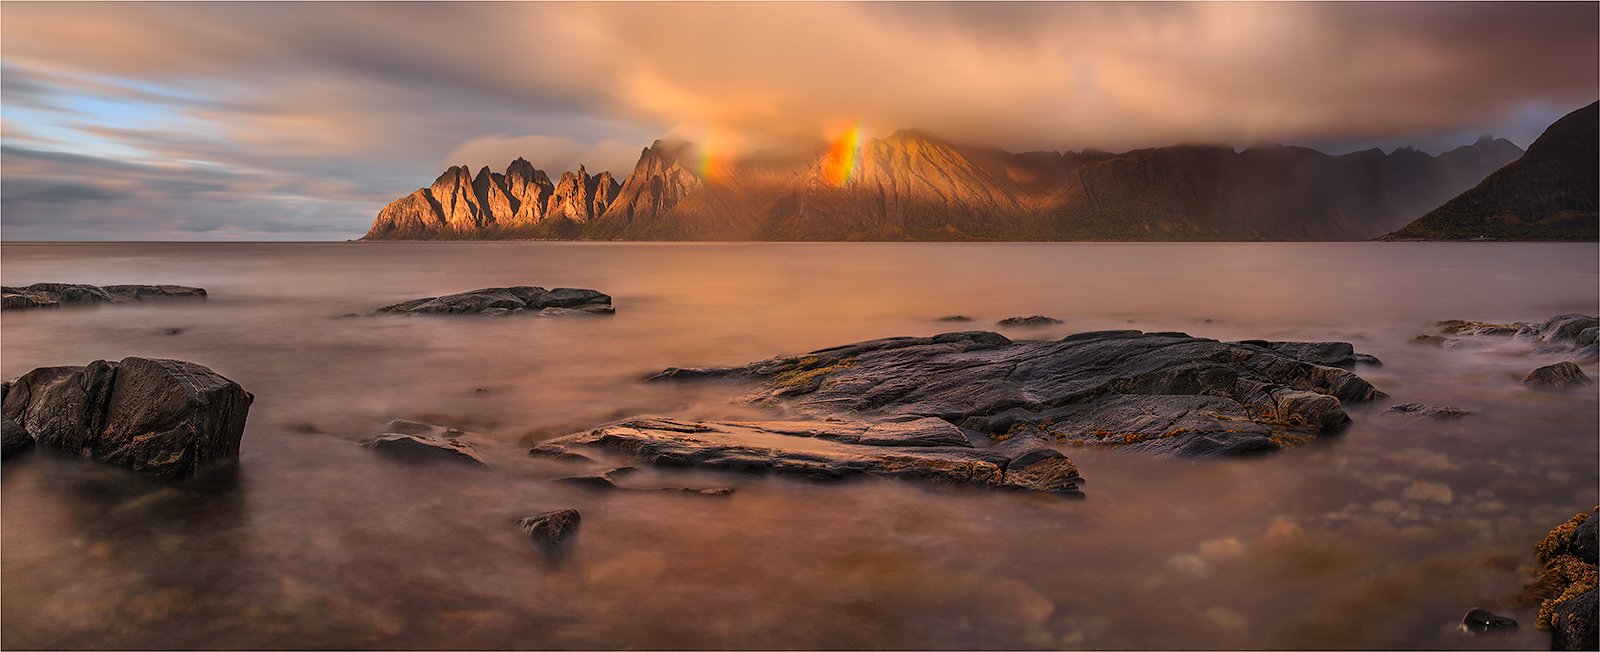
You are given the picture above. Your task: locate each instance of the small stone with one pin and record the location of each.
(1483, 621)
(551, 529)
(414, 448)
(955, 318)
(1028, 322)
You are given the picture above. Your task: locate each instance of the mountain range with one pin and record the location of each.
(915, 186)
(1551, 193)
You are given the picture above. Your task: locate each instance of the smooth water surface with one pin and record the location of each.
(1379, 537)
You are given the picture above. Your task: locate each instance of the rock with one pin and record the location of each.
(1558, 375)
(505, 301)
(1573, 623)
(828, 450)
(167, 418)
(1157, 392)
(551, 529)
(1328, 354)
(1028, 322)
(590, 481)
(1483, 621)
(1429, 411)
(418, 448)
(13, 439)
(1573, 335)
(1567, 584)
(954, 318)
(52, 295)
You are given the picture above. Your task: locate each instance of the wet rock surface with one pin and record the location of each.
(925, 450)
(551, 529)
(55, 295)
(1429, 411)
(13, 439)
(1328, 354)
(509, 301)
(1557, 376)
(1165, 393)
(166, 418)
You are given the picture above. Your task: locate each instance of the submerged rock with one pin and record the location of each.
(954, 318)
(167, 418)
(1558, 375)
(415, 448)
(1429, 411)
(506, 301)
(1028, 322)
(53, 295)
(1157, 392)
(551, 529)
(1483, 621)
(923, 450)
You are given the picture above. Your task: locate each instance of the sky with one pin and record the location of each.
(300, 120)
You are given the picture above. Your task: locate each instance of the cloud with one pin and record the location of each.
(317, 113)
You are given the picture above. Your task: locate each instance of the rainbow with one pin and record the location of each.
(713, 164)
(844, 157)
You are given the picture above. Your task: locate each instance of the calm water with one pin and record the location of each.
(1381, 537)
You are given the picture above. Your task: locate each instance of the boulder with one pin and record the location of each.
(919, 451)
(1028, 322)
(1567, 584)
(1165, 393)
(1558, 375)
(167, 418)
(53, 295)
(1429, 411)
(1483, 621)
(505, 301)
(551, 529)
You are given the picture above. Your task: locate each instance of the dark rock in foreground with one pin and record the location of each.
(1429, 411)
(1033, 321)
(1558, 375)
(1483, 621)
(551, 529)
(506, 301)
(928, 450)
(53, 295)
(1567, 586)
(167, 418)
(1157, 392)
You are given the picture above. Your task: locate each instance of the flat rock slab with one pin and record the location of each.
(1158, 392)
(508, 301)
(1429, 411)
(927, 450)
(55, 295)
(421, 448)
(167, 418)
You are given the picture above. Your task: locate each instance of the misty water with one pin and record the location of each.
(1380, 536)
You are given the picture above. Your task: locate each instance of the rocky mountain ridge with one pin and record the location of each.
(1552, 192)
(913, 186)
